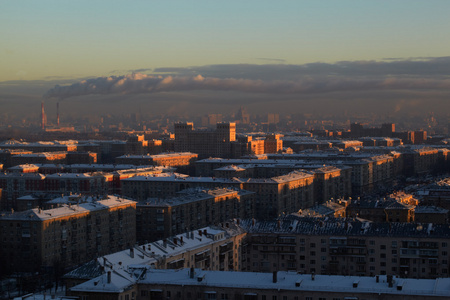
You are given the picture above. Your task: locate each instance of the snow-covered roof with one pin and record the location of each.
(290, 281)
(67, 210)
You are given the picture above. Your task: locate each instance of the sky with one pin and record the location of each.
(75, 39)
(62, 49)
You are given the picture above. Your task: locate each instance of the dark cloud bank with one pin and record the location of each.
(431, 74)
(388, 86)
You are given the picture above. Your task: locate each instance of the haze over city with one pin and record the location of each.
(247, 150)
(190, 58)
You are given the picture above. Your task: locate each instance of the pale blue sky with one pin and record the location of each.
(41, 39)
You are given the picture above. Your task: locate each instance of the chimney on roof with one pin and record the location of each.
(131, 252)
(274, 276)
(200, 233)
(175, 241)
(205, 232)
(181, 239)
(109, 276)
(57, 114)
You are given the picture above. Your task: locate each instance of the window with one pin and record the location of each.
(210, 295)
(312, 245)
(383, 247)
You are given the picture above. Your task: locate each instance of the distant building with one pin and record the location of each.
(431, 214)
(383, 210)
(179, 159)
(205, 142)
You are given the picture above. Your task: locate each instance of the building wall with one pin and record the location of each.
(35, 244)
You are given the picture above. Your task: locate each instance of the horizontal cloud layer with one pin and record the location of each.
(411, 74)
(140, 83)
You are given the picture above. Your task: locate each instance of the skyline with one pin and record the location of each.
(204, 57)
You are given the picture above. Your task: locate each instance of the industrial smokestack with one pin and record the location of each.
(57, 114)
(42, 116)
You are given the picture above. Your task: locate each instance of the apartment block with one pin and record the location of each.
(208, 248)
(66, 236)
(274, 196)
(202, 284)
(181, 159)
(341, 247)
(205, 142)
(191, 209)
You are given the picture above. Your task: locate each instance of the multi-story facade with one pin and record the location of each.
(209, 248)
(58, 157)
(383, 210)
(181, 159)
(63, 237)
(86, 184)
(15, 185)
(192, 209)
(274, 196)
(205, 142)
(336, 246)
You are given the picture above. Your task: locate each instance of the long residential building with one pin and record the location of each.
(274, 196)
(208, 248)
(141, 283)
(63, 237)
(342, 247)
(192, 209)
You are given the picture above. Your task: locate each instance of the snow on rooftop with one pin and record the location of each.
(91, 204)
(301, 282)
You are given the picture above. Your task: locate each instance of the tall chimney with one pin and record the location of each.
(109, 277)
(57, 114)
(42, 116)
